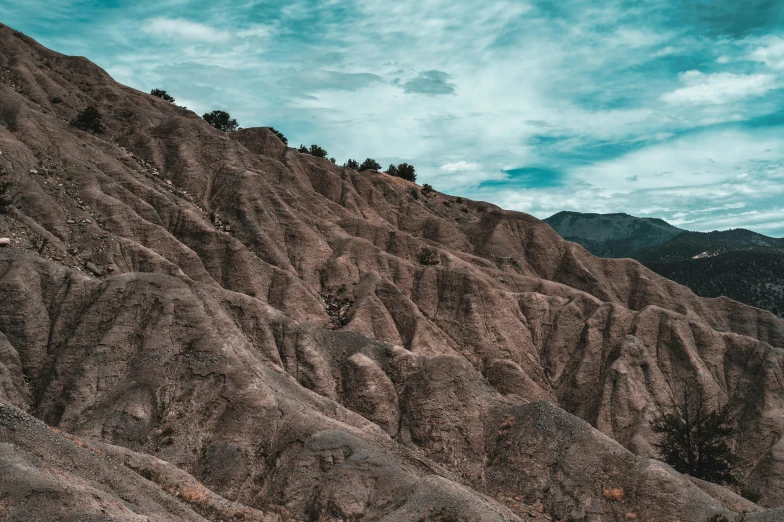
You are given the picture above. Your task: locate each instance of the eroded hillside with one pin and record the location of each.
(218, 326)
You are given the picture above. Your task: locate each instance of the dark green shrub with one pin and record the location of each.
(314, 150)
(694, 438)
(5, 196)
(150, 474)
(427, 257)
(221, 120)
(333, 160)
(751, 494)
(89, 120)
(56, 100)
(459, 201)
(392, 170)
(160, 93)
(427, 189)
(406, 171)
(351, 164)
(279, 134)
(370, 164)
(415, 193)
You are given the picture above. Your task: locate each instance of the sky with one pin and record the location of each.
(671, 109)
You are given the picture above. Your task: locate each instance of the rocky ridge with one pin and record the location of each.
(199, 324)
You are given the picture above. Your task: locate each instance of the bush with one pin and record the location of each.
(5, 197)
(221, 120)
(750, 494)
(370, 164)
(314, 150)
(459, 201)
(317, 151)
(56, 100)
(392, 170)
(693, 438)
(89, 120)
(279, 134)
(427, 189)
(415, 193)
(406, 171)
(333, 160)
(351, 164)
(427, 257)
(160, 93)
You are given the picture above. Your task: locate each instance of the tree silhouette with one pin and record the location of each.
(351, 164)
(406, 171)
(221, 120)
(317, 151)
(160, 93)
(392, 169)
(694, 438)
(370, 164)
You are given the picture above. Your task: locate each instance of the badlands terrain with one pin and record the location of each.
(197, 325)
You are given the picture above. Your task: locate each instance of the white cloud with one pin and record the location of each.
(459, 166)
(181, 29)
(771, 53)
(718, 88)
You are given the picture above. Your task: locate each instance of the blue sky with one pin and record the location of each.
(672, 109)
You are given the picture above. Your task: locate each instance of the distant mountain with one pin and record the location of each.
(755, 278)
(740, 264)
(698, 245)
(612, 235)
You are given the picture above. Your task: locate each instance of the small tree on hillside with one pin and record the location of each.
(317, 151)
(694, 438)
(370, 164)
(351, 164)
(392, 170)
(160, 93)
(221, 120)
(303, 149)
(89, 120)
(5, 196)
(406, 171)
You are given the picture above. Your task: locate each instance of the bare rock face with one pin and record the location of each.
(228, 326)
(369, 392)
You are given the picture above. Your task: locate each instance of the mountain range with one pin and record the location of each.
(201, 325)
(738, 263)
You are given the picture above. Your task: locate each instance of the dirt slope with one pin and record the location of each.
(221, 312)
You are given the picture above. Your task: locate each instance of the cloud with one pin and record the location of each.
(181, 29)
(719, 88)
(459, 166)
(771, 53)
(430, 82)
(318, 80)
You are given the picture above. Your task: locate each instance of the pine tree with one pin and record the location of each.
(160, 93)
(694, 438)
(370, 164)
(221, 120)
